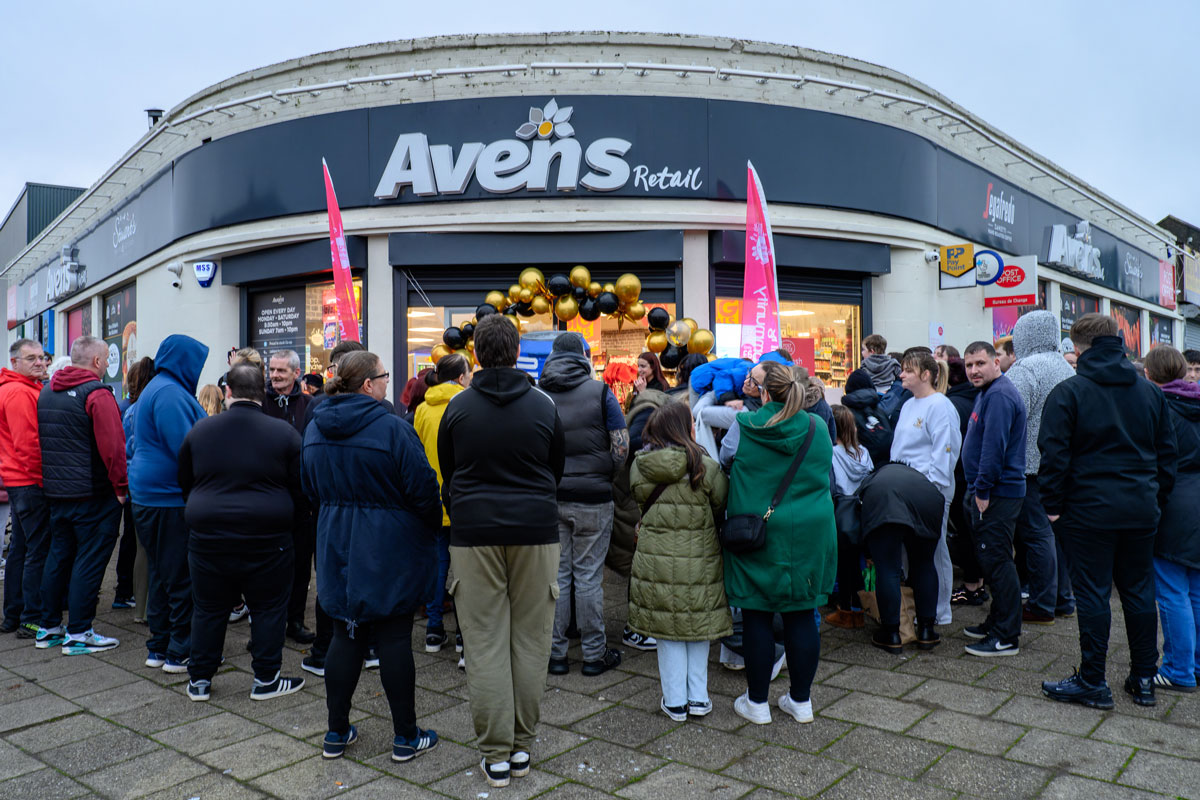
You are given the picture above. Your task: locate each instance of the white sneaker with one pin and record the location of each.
(758, 713)
(780, 663)
(801, 712)
(89, 642)
(239, 613)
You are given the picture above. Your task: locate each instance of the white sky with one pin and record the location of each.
(1103, 88)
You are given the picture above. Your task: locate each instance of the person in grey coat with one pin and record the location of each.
(1038, 369)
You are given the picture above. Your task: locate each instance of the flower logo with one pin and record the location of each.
(546, 121)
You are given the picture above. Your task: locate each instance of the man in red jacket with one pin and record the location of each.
(21, 471)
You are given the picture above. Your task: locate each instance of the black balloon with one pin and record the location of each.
(454, 339)
(511, 309)
(525, 309)
(608, 302)
(580, 294)
(589, 309)
(671, 357)
(558, 285)
(468, 330)
(658, 319)
(484, 310)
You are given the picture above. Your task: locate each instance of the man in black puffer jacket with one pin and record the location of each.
(1108, 466)
(597, 442)
(240, 476)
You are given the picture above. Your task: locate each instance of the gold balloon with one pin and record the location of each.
(540, 305)
(629, 287)
(471, 345)
(566, 308)
(514, 293)
(526, 295)
(712, 356)
(608, 287)
(635, 311)
(678, 333)
(656, 342)
(581, 276)
(594, 289)
(692, 324)
(702, 341)
(513, 319)
(438, 351)
(532, 279)
(469, 355)
(498, 299)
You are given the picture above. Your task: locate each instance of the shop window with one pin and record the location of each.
(1074, 306)
(1162, 331)
(1004, 318)
(300, 318)
(120, 333)
(824, 337)
(79, 322)
(1129, 323)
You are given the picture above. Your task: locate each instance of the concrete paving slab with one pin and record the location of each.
(84, 682)
(445, 759)
(210, 785)
(253, 757)
(878, 712)
(788, 770)
(1072, 787)
(602, 765)
(316, 778)
(704, 748)
(986, 776)
(1174, 776)
(678, 780)
(470, 784)
(957, 697)
(1085, 757)
(1040, 712)
(966, 731)
(48, 735)
(562, 707)
(98, 751)
(625, 726)
(874, 681)
(863, 783)
(35, 710)
(144, 775)
(42, 784)
(887, 752)
(210, 733)
(1149, 734)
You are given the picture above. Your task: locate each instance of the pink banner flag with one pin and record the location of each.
(760, 294)
(343, 283)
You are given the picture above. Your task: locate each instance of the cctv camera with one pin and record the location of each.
(175, 270)
(176, 283)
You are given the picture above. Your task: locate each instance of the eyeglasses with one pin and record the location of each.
(750, 380)
(34, 359)
(380, 375)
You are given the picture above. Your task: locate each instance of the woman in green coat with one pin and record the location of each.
(794, 572)
(676, 591)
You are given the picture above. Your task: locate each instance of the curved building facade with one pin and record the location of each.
(458, 161)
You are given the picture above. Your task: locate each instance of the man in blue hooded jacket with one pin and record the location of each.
(164, 414)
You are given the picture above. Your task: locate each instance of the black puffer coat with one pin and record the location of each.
(1179, 529)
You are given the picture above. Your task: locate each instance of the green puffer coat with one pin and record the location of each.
(626, 513)
(796, 569)
(676, 591)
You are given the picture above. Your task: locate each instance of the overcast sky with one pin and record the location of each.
(1103, 88)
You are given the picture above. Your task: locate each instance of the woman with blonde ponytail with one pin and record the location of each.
(793, 572)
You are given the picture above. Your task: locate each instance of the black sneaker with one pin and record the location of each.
(518, 764)
(991, 647)
(1076, 690)
(27, 630)
(1141, 690)
(962, 596)
(278, 688)
(458, 645)
(314, 665)
(496, 774)
(610, 659)
(976, 632)
(300, 634)
(9, 625)
(434, 639)
(559, 666)
(631, 638)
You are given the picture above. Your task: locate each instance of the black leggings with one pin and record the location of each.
(849, 573)
(886, 543)
(344, 663)
(800, 642)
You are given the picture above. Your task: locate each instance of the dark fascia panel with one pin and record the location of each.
(449, 249)
(289, 261)
(808, 252)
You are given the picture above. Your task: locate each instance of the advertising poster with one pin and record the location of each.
(1073, 307)
(1129, 323)
(277, 321)
(1161, 330)
(120, 334)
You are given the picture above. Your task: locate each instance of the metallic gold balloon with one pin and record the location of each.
(540, 305)
(608, 287)
(532, 279)
(469, 355)
(566, 308)
(629, 287)
(702, 341)
(471, 345)
(656, 342)
(513, 319)
(525, 296)
(438, 351)
(498, 299)
(692, 324)
(594, 289)
(678, 333)
(581, 276)
(514, 293)
(635, 311)
(712, 356)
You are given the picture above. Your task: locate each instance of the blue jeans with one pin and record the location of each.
(83, 534)
(434, 609)
(1179, 608)
(683, 672)
(26, 554)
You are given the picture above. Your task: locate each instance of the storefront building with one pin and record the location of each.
(459, 161)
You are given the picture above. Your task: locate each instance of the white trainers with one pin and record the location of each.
(89, 642)
(758, 713)
(239, 613)
(779, 664)
(801, 712)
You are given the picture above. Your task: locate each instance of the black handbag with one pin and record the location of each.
(745, 533)
(847, 516)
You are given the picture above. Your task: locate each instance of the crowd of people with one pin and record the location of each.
(743, 508)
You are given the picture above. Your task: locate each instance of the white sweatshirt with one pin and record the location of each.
(928, 439)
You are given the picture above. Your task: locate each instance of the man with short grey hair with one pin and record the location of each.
(84, 477)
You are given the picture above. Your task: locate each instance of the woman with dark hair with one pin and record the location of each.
(959, 541)
(376, 563)
(132, 578)
(793, 572)
(451, 376)
(677, 591)
(416, 388)
(650, 374)
(682, 391)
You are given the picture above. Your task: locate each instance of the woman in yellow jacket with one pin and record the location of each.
(451, 375)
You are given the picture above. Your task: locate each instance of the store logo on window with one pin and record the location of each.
(511, 165)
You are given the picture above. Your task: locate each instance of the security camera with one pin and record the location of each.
(175, 269)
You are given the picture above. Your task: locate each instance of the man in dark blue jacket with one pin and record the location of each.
(993, 457)
(163, 415)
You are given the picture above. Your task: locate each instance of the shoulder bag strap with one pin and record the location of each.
(791, 473)
(657, 493)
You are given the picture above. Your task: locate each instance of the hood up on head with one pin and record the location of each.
(1036, 332)
(181, 357)
(564, 370)
(343, 415)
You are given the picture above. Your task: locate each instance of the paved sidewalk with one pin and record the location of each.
(939, 725)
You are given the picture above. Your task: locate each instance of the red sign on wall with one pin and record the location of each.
(1166, 284)
(803, 352)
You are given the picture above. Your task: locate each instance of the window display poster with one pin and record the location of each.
(120, 334)
(1129, 323)
(1074, 306)
(1161, 331)
(277, 321)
